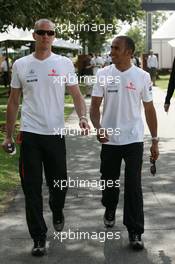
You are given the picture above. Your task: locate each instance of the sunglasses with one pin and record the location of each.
(153, 166)
(114, 47)
(42, 32)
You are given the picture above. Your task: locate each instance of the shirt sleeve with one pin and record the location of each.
(98, 88)
(15, 81)
(71, 77)
(147, 89)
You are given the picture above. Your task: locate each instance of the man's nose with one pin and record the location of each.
(45, 34)
(112, 52)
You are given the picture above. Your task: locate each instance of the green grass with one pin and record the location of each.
(3, 101)
(67, 112)
(82, 88)
(68, 99)
(2, 114)
(163, 81)
(3, 89)
(9, 177)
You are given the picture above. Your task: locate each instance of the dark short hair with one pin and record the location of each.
(128, 42)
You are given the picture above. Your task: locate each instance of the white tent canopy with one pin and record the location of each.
(61, 43)
(26, 35)
(10, 50)
(16, 34)
(24, 48)
(163, 43)
(172, 43)
(166, 31)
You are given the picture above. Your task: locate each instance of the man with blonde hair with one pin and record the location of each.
(42, 77)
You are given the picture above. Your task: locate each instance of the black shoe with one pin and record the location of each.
(136, 241)
(109, 217)
(58, 221)
(39, 248)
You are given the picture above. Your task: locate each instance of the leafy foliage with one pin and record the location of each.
(20, 13)
(23, 13)
(138, 31)
(158, 18)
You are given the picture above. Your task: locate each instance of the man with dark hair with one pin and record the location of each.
(42, 77)
(121, 132)
(129, 43)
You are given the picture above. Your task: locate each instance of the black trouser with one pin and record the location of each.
(111, 158)
(5, 79)
(36, 152)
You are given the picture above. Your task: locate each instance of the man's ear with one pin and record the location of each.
(130, 53)
(33, 34)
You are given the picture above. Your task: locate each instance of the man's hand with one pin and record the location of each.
(166, 107)
(102, 135)
(8, 145)
(154, 150)
(84, 126)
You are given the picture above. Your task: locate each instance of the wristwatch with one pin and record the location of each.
(83, 117)
(155, 139)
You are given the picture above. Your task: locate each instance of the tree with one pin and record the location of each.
(99, 13)
(138, 31)
(23, 13)
(158, 18)
(20, 13)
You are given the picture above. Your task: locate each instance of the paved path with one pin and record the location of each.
(84, 213)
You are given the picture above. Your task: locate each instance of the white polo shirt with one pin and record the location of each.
(123, 93)
(43, 85)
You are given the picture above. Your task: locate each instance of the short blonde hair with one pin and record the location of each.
(43, 20)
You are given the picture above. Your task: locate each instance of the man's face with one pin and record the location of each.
(43, 35)
(119, 51)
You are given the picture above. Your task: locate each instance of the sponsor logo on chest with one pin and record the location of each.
(112, 87)
(53, 72)
(130, 86)
(31, 77)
